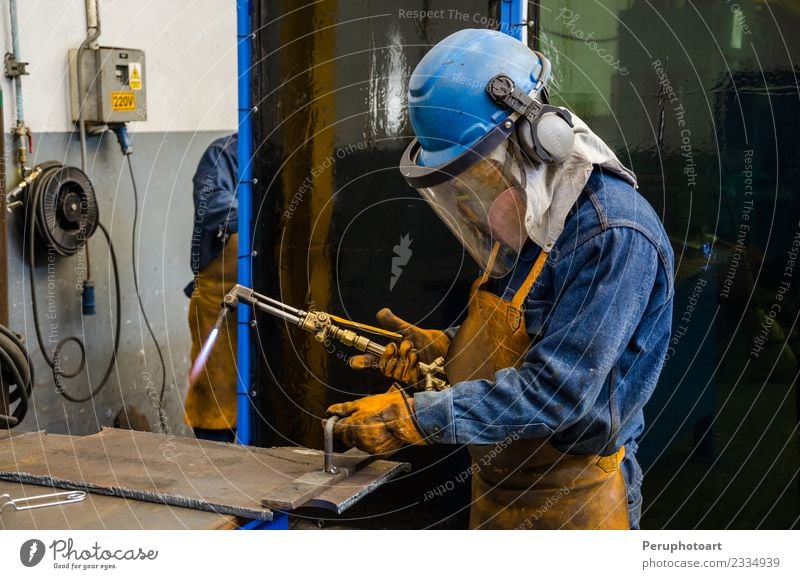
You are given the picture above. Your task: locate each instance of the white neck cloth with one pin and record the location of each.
(552, 190)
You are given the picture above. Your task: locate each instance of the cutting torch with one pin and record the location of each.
(324, 326)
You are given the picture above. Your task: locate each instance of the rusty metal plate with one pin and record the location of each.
(184, 472)
(349, 491)
(306, 487)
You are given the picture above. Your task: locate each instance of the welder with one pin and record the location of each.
(567, 327)
(210, 406)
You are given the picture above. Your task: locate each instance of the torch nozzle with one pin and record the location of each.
(223, 313)
(208, 346)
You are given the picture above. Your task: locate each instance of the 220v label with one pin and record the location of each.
(123, 101)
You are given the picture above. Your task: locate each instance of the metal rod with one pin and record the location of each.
(328, 465)
(276, 303)
(278, 313)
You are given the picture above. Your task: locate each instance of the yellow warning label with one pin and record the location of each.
(123, 101)
(135, 75)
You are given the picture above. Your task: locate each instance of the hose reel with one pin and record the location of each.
(63, 201)
(61, 213)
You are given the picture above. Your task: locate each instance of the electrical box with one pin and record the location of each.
(114, 85)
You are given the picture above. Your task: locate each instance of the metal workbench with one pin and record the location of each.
(145, 480)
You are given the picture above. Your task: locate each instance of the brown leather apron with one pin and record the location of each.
(527, 483)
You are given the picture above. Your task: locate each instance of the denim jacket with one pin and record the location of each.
(216, 206)
(600, 317)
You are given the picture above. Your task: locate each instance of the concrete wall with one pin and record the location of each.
(190, 50)
(191, 81)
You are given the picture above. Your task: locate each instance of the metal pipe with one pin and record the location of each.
(21, 132)
(244, 191)
(15, 49)
(92, 34)
(92, 16)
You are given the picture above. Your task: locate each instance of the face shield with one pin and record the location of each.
(483, 204)
(479, 188)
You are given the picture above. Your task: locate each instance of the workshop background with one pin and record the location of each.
(190, 68)
(699, 97)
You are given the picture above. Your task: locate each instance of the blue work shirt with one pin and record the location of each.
(216, 203)
(600, 316)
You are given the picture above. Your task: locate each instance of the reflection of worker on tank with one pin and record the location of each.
(568, 326)
(211, 400)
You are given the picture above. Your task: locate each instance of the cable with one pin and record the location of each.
(16, 376)
(41, 225)
(161, 421)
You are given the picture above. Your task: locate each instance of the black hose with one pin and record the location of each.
(40, 227)
(16, 376)
(161, 420)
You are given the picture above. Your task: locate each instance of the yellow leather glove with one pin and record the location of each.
(401, 361)
(377, 424)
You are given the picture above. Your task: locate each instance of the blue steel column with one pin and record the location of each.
(245, 277)
(512, 17)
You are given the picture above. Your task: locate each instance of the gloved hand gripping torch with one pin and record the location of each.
(322, 325)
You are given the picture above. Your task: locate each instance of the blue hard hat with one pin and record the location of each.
(449, 106)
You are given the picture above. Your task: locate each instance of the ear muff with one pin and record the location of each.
(544, 131)
(548, 139)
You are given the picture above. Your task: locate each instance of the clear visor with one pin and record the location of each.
(484, 206)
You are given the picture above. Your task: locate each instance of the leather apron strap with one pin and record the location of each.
(519, 297)
(527, 283)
